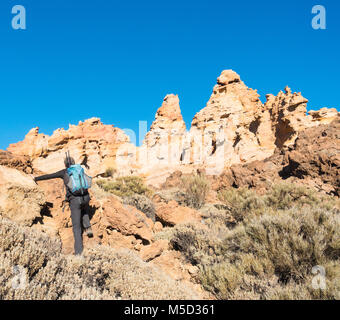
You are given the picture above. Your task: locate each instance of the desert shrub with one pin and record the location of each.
(100, 273)
(196, 188)
(142, 203)
(216, 217)
(270, 252)
(285, 246)
(197, 244)
(172, 194)
(242, 202)
(285, 195)
(109, 172)
(125, 186)
(245, 203)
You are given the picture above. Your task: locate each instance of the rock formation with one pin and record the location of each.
(226, 131)
(288, 116)
(10, 160)
(20, 198)
(91, 143)
(234, 128)
(315, 164)
(163, 144)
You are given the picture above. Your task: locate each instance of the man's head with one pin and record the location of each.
(68, 161)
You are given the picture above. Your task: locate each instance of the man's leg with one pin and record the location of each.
(75, 206)
(86, 212)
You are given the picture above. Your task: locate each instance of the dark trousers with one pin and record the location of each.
(80, 217)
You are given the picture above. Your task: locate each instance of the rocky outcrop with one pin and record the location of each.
(226, 131)
(21, 163)
(20, 198)
(259, 175)
(288, 117)
(90, 142)
(315, 164)
(113, 223)
(235, 127)
(315, 158)
(163, 144)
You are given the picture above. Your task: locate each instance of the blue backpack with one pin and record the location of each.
(79, 182)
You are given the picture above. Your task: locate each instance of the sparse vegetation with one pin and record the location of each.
(245, 204)
(195, 190)
(270, 252)
(101, 273)
(250, 247)
(143, 204)
(242, 203)
(125, 186)
(109, 172)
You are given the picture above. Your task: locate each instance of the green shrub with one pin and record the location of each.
(125, 186)
(196, 188)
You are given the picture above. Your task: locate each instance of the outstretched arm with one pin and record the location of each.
(59, 174)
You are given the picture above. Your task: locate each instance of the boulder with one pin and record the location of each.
(171, 213)
(153, 250)
(126, 219)
(21, 200)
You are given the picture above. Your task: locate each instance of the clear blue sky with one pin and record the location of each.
(117, 59)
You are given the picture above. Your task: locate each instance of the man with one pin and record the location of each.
(79, 205)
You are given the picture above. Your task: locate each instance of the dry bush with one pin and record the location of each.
(285, 246)
(101, 273)
(242, 203)
(110, 172)
(176, 194)
(195, 188)
(142, 203)
(125, 186)
(271, 251)
(199, 246)
(283, 195)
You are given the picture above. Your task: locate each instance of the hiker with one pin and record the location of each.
(77, 184)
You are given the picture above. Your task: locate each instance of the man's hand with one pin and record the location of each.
(34, 179)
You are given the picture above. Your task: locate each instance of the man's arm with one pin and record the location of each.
(59, 174)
